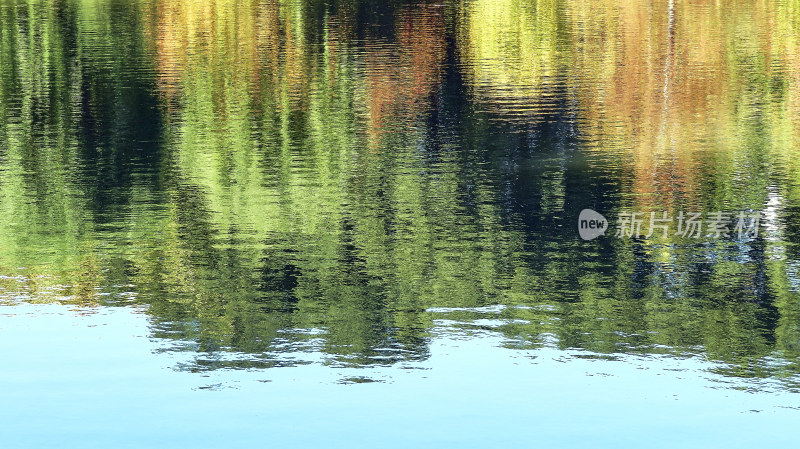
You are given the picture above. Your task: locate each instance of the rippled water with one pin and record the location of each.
(277, 200)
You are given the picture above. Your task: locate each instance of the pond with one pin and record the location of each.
(465, 223)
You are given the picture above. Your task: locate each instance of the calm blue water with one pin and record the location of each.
(97, 379)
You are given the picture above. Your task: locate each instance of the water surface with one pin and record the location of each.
(368, 211)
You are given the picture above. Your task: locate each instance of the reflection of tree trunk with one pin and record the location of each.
(669, 60)
(666, 134)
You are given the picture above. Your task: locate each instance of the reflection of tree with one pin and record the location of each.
(66, 117)
(513, 52)
(303, 182)
(676, 87)
(402, 76)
